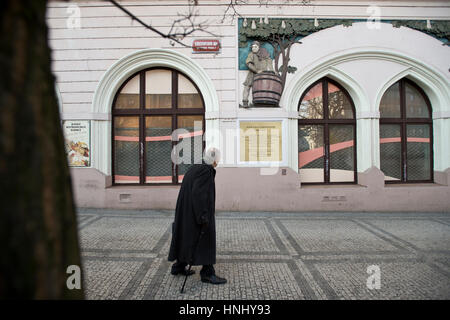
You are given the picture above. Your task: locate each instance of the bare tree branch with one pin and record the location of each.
(180, 28)
(233, 6)
(231, 10)
(187, 25)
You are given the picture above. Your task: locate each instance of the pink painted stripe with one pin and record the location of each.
(184, 135)
(410, 139)
(306, 157)
(126, 178)
(158, 179)
(126, 138)
(158, 138)
(147, 179)
(341, 145)
(190, 134)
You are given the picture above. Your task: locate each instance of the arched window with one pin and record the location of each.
(327, 134)
(406, 134)
(147, 108)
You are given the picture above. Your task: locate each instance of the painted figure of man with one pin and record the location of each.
(194, 228)
(258, 60)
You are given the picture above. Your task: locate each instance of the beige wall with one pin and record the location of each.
(82, 56)
(245, 189)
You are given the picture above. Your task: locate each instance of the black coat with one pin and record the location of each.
(195, 206)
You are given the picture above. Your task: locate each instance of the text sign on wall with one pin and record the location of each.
(206, 46)
(77, 141)
(260, 141)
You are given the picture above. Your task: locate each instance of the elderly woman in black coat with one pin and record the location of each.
(194, 228)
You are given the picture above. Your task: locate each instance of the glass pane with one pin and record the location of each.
(190, 145)
(310, 153)
(188, 96)
(128, 98)
(391, 151)
(390, 102)
(158, 89)
(126, 149)
(416, 107)
(339, 106)
(311, 106)
(418, 152)
(158, 148)
(342, 153)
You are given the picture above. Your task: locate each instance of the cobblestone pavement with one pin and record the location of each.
(272, 256)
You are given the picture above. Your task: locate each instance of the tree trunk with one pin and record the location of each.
(38, 228)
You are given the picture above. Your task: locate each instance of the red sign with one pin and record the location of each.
(206, 45)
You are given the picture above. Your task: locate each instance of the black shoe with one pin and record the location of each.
(183, 272)
(214, 279)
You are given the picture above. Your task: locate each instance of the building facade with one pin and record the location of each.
(361, 120)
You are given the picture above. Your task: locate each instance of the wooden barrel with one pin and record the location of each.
(266, 89)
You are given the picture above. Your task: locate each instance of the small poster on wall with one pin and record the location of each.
(78, 143)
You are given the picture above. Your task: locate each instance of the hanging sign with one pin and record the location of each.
(206, 46)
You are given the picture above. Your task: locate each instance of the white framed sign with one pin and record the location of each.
(261, 142)
(77, 141)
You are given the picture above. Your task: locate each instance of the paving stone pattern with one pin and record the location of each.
(272, 256)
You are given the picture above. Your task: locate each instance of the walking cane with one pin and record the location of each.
(192, 259)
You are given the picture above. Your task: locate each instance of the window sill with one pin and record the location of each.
(419, 184)
(140, 186)
(331, 186)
